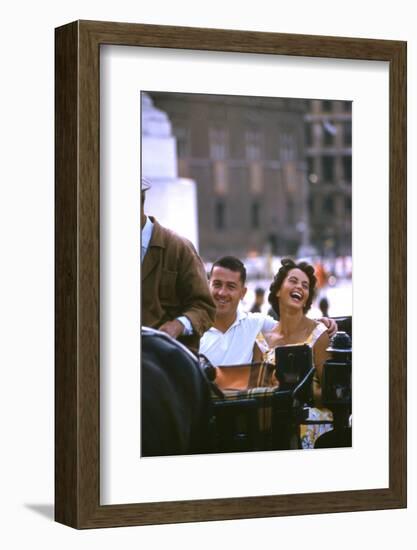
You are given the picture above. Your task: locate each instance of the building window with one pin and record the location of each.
(347, 133)
(328, 205)
(329, 132)
(287, 147)
(255, 177)
(311, 174)
(348, 205)
(347, 106)
(220, 215)
(311, 205)
(290, 211)
(220, 177)
(308, 134)
(328, 168)
(183, 141)
(326, 106)
(255, 215)
(347, 168)
(218, 143)
(310, 165)
(253, 144)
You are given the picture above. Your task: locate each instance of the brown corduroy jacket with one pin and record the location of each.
(174, 283)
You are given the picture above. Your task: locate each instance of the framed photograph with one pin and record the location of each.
(255, 145)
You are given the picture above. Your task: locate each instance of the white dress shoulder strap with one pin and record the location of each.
(316, 333)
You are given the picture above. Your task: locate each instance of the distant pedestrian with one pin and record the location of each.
(324, 306)
(259, 300)
(321, 275)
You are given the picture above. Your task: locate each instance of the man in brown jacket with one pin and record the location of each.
(175, 293)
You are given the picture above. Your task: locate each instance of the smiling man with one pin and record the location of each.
(231, 340)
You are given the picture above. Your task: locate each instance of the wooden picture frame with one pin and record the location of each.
(77, 372)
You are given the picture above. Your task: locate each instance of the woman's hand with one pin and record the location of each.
(330, 324)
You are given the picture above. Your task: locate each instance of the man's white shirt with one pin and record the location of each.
(235, 346)
(146, 237)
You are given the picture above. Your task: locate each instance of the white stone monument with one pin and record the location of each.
(172, 200)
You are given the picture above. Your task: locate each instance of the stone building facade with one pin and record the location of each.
(253, 172)
(328, 146)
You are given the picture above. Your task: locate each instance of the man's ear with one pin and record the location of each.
(244, 291)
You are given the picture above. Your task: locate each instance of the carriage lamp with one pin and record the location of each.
(337, 373)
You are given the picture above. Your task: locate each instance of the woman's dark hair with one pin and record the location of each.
(286, 265)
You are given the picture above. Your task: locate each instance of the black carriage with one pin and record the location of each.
(256, 418)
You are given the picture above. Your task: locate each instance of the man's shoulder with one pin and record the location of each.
(168, 237)
(249, 318)
(258, 319)
(256, 315)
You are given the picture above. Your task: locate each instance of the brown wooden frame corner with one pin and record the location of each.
(77, 372)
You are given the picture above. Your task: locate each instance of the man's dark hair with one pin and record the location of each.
(286, 266)
(232, 263)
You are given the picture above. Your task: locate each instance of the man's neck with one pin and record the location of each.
(223, 323)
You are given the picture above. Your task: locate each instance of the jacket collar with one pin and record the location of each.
(152, 256)
(158, 237)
